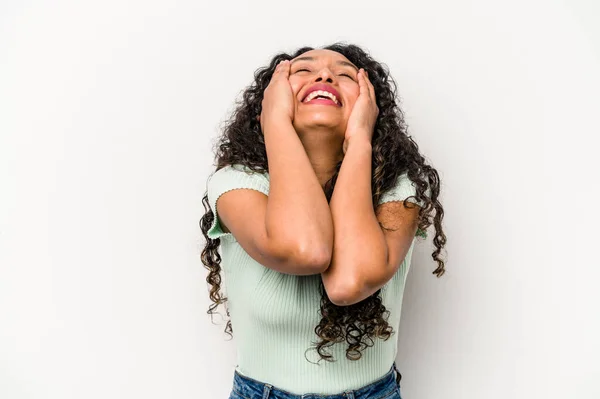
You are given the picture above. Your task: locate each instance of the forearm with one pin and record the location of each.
(358, 239)
(297, 209)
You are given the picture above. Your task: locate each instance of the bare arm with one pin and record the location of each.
(359, 243)
(297, 209)
(365, 256)
(291, 230)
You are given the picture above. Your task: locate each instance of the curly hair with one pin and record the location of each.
(394, 152)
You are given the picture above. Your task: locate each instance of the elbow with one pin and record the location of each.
(317, 260)
(313, 253)
(344, 295)
(343, 298)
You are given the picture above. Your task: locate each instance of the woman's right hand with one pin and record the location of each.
(278, 100)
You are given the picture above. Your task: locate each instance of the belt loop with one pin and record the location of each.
(349, 394)
(266, 391)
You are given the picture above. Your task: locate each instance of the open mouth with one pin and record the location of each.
(322, 97)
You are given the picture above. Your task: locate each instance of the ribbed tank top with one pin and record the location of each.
(274, 315)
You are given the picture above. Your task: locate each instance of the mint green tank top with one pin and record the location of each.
(274, 315)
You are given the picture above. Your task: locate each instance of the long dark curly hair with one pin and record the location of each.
(394, 153)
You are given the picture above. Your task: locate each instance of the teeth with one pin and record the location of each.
(321, 93)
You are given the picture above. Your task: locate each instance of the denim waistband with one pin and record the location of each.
(385, 387)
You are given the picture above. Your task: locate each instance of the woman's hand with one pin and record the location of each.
(278, 99)
(361, 122)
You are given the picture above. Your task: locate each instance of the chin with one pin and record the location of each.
(319, 121)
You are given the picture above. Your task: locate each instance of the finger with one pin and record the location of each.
(275, 72)
(362, 83)
(371, 87)
(365, 83)
(285, 68)
(280, 69)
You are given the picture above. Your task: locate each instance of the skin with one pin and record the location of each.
(329, 134)
(324, 130)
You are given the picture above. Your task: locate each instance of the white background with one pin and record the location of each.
(108, 113)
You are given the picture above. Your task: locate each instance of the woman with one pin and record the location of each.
(317, 140)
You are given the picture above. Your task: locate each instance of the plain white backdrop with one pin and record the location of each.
(108, 113)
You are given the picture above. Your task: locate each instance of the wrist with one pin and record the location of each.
(358, 141)
(275, 123)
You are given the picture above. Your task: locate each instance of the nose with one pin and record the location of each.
(325, 75)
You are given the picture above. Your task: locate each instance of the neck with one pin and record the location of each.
(324, 149)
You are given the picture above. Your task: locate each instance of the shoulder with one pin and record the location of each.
(402, 189)
(228, 178)
(236, 171)
(236, 176)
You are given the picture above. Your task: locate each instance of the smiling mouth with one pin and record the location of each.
(322, 97)
(321, 101)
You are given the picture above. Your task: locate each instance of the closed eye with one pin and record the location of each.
(343, 74)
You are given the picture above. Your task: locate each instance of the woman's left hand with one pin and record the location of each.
(361, 122)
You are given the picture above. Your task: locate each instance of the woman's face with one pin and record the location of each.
(329, 71)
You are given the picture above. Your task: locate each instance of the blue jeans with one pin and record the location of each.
(387, 387)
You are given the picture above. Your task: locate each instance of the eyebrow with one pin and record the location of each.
(340, 62)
